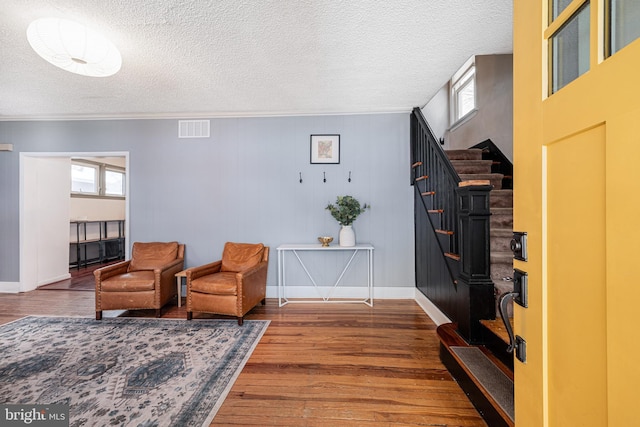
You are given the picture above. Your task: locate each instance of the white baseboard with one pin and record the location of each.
(355, 292)
(383, 292)
(432, 311)
(54, 279)
(10, 287)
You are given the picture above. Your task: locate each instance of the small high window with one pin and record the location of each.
(463, 92)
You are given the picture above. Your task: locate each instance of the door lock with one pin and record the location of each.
(519, 245)
(520, 287)
(521, 349)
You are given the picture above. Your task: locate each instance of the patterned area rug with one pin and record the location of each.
(125, 372)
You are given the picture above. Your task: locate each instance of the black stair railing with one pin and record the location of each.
(435, 182)
(437, 266)
(451, 235)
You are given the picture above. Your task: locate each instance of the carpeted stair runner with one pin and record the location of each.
(486, 374)
(491, 378)
(470, 166)
(487, 381)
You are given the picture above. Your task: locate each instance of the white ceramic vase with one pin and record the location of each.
(347, 236)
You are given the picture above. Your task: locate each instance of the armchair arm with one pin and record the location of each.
(165, 278)
(111, 270)
(203, 270)
(249, 273)
(252, 284)
(168, 271)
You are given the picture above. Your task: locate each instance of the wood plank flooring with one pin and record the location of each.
(318, 364)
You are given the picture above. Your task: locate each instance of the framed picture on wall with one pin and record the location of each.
(325, 149)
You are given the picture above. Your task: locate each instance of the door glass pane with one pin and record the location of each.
(625, 23)
(557, 6)
(570, 50)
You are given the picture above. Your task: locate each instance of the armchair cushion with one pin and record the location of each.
(223, 283)
(241, 256)
(133, 281)
(148, 256)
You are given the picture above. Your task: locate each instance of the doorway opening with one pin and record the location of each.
(47, 211)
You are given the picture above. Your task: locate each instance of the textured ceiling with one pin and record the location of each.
(206, 58)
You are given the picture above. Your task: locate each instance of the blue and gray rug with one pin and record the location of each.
(125, 372)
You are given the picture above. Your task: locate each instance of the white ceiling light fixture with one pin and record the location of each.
(74, 47)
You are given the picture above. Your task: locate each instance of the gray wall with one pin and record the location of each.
(494, 117)
(241, 184)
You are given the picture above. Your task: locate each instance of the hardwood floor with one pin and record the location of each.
(318, 364)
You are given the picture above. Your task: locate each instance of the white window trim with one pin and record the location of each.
(461, 79)
(96, 177)
(101, 168)
(124, 182)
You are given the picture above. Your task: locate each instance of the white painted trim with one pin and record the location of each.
(54, 279)
(379, 292)
(10, 287)
(204, 115)
(25, 267)
(432, 311)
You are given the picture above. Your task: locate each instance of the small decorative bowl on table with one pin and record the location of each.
(325, 240)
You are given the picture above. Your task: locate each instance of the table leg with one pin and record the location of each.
(179, 284)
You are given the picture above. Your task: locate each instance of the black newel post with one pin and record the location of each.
(474, 283)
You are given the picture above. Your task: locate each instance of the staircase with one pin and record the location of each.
(463, 213)
(486, 372)
(471, 166)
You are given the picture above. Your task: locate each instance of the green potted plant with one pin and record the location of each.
(345, 211)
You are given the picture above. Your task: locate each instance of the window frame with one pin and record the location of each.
(96, 180)
(464, 77)
(101, 169)
(555, 26)
(610, 26)
(114, 169)
(552, 51)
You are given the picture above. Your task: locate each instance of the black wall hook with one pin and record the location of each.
(300, 177)
(324, 174)
(349, 176)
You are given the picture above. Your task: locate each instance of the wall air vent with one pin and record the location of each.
(193, 129)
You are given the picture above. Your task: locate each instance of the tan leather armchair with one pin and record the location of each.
(146, 281)
(231, 286)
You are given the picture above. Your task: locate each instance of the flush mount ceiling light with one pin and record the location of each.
(74, 47)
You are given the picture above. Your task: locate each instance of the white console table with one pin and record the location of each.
(296, 249)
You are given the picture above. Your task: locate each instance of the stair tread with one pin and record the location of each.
(489, 375)
(470, 162)
(455, 257)
(473, 153)
(501, 256)
(497, 328)
(472, 166)
(446, 232)
(475, 176)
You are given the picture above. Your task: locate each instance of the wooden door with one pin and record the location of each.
(576, 187)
